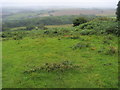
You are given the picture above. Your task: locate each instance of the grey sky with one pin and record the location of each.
(69, 3)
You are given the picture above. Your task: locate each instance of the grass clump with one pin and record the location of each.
(80, 46)
(87, 32)
(111, 51)
(54, 67)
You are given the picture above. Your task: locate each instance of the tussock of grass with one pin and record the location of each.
(54, 67)
(80, 46)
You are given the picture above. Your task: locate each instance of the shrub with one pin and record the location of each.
(101, 50)
(87, 32)
(6, 34)
(18, 37)
(90, 25)
(109, 37)
(102, 26)
(30, 27)
(113, 29)
(55, 32)
(42, 26)
(79, 21)
(80, 46)
(46, 32)
(111, 51)
(74, 37)
(3, 36)
(106, 42)
(13, 35)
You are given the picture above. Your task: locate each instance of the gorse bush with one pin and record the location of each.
(14, 35)
(113, 29)
(102, 26)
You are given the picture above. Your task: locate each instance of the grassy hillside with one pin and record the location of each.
(97, 64)
(60, 57)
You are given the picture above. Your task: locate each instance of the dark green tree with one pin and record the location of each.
(79, 21)
(118, 11)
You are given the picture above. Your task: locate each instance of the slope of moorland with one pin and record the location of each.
(85, 56)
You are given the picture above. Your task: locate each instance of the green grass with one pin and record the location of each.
(96, 69)
(34, 59)
(59, 26)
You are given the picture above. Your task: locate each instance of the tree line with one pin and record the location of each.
(51, 20)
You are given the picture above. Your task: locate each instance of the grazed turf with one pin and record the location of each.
(98, 67)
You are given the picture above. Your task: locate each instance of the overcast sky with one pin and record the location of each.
(69, 3)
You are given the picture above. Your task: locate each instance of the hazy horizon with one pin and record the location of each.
(62, 3)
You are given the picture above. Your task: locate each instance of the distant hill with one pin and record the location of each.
(19, 14)
(98, 12)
